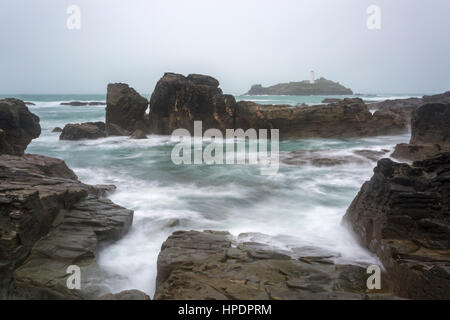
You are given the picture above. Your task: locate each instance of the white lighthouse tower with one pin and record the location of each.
(312, 77)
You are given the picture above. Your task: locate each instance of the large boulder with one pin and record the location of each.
(178, 101)
(402, 215)
(48, 221)
(18, 126)
(87, 130)
(430, 133)
(207, 265)
(125, 110)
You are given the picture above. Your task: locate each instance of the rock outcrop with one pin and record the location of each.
(321, 86)
(178, 101)
(205, 265)
(402, 107)
(87, 130)
(48, 221)
(125, 110)
(430, 133)
(402, 215)
(347, 118)
(18, 126)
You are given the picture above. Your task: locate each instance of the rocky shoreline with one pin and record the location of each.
(49, 220)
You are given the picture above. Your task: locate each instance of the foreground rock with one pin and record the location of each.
(430, 133)
(205, 265)
(49, 221)
(18, 126)
(87, 130)
(402, 215)
(344, 119)
(321, 86)
(178, 100)
(125, 110)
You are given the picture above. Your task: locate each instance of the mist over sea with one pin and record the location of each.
(300, 206)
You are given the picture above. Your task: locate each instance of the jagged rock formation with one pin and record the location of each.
(321, 86)
(347, 118)
(125, 110)
(402, 215)
(87, 130)
(178, 100)
(430, 133)
(402, 107)
(48, 221)
(205, 265)
(18, 126)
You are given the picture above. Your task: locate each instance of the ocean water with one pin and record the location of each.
(300, 206)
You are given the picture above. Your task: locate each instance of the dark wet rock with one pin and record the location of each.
(331, 100)
(347, 118)
(321, 86)
(438, 98)
(126, 295)
(430, 133)
(125, 109)
(328, 158)
(402, 107)
(138, 134)
(402, 215)
(57, 129)
(205, 265)
(18, 126)
(48, 221)
(372, 155)
(87, 130)
(178, 101)
(115, 130)
(75, 239)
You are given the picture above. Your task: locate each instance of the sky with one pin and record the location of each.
(239, 42)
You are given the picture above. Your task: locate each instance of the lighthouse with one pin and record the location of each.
(312, 77)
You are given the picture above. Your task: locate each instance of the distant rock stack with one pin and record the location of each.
(125, 110)
(321, 86)
(178, 101)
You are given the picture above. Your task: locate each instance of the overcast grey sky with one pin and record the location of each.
(240, 42)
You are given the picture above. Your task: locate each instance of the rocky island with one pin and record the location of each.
(320, 87)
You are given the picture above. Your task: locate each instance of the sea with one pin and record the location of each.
(299, 206)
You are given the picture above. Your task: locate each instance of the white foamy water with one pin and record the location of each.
(300, 206)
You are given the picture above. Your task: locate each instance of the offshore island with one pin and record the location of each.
(319, 87)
